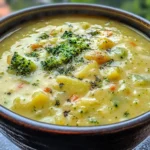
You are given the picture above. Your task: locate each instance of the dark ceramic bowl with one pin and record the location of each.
(29, 134)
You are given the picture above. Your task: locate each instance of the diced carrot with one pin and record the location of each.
(73, 98)
(109, 33)
(133, 44)
(98, 56)
(35, 46)
(113, 87)
(47, 89)
(21, 85)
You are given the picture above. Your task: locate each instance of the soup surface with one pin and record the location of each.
(68, 72)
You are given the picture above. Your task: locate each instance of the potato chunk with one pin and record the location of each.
(84, 106)
(72, 86)
(53, 40)
(118, 53)
(85, 25)
(87, 102)
(98, 56)
(105, 44)
(19, 105)
(40, 102)
(9, 57)
(141, 79)
(112, 73)
(89, 71)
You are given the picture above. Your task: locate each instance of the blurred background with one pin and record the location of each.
(139, 7)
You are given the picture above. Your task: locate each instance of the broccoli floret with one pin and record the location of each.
(50, 63)
(66, 70)
(67, 34)
(20, 65)
(44, 36)
(65, 51)
(32, 54)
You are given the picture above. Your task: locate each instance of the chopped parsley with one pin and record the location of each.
(36, 83)
(93, 121)
(61, 85)
(93, 33)
(66, 70)
(126, 114)
(57, 103)
(8, 93)
(66, 113)
(116, 104)
(34, 109)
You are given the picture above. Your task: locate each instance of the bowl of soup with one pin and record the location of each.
(75, 76)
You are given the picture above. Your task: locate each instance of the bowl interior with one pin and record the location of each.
(10, 22)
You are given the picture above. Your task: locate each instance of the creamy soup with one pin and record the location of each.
(75, 71)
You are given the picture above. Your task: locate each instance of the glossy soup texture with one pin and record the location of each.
(75, 71)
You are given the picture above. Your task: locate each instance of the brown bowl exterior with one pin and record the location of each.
(29, 134)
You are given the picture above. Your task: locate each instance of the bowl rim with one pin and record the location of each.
(53, 128)
(75, 4)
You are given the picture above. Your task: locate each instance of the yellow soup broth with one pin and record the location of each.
(75, 71)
